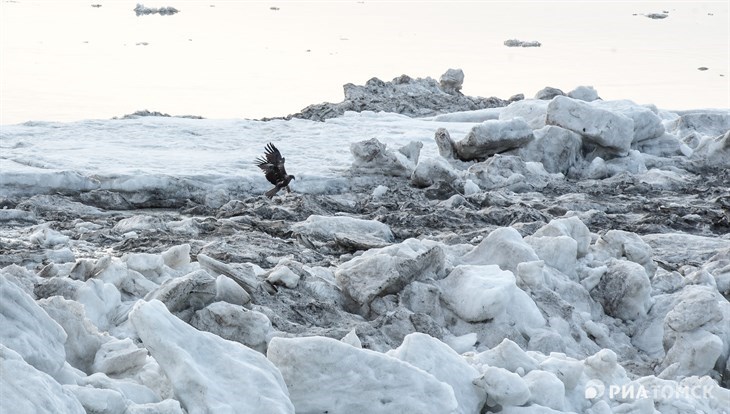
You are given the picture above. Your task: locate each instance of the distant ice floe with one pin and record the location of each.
(521, 43)
(141, 10)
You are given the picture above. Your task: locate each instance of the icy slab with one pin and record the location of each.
(326, 227)
(13, 214)
(478, 293)
(439, 360)
(503, 387)
(546, 389)
(624, 290)
(25, 389)
(325, 374)
(684, 248)
(372, 156)
(433, 170)
(503, 247)
(451, 81)
(479, 115)
(696, 308)
(28, 330)
(647, 124)
(283, 276)
(235, 323)
(714, 150)
(492, 137)
(533, 111)
(584, 93)
(83, 338)
(556, 148)
(383, 271)
(225, 377)
(572, 227)
(186, 294)
(602, 127)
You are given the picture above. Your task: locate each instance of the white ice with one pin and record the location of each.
(104, 341)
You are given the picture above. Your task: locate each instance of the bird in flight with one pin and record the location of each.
(273, 167)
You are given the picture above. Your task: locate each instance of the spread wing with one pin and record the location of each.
(272, 165)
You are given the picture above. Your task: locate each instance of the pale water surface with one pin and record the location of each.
(67, 60)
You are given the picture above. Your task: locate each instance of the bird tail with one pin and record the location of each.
(271, 193)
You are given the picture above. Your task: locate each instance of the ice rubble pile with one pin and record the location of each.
(542, 322)
(534, 141)
(404, 95)
(512, 323)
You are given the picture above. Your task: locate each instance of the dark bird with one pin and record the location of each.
(273, 168)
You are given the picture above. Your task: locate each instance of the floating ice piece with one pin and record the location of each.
(187, 293)
(621, 244)
(696, 307)
(380, 191)
(177, 257)
(545, 389)
(560, 252)
(714, 150)
(282, 275)
(477, 115)
(139, 223)
(451, 81)
(98, 400)
(352, 339)
(507, 355)
(118, 356)
(227, 290)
